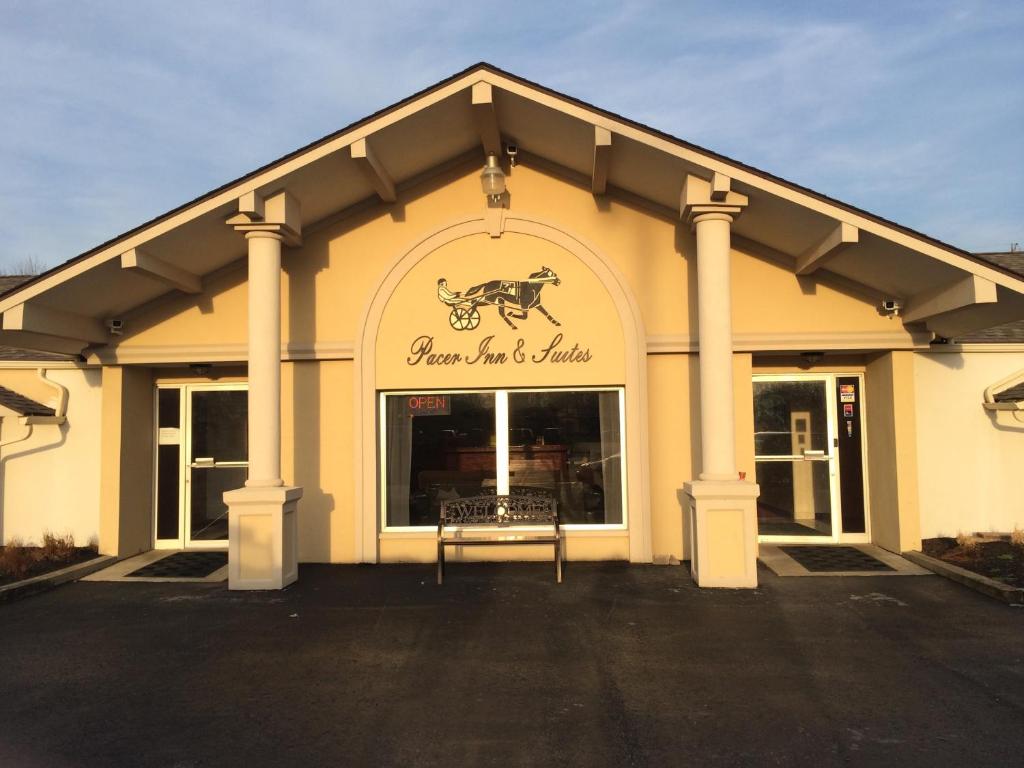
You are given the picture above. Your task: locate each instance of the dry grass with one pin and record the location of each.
(56, 548)
(1017, 537)
(968, 543)
(19, 559)
(16, 559)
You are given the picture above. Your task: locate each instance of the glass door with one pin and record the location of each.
(795, 457)
(217, 459)
(202, 452)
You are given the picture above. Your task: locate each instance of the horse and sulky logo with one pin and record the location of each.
(513, 298)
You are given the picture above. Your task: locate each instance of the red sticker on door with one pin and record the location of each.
(848, 410)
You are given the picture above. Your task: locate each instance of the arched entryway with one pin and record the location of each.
(534, 309)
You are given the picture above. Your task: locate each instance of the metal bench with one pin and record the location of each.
(466, 522)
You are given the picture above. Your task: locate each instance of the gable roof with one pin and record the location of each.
(1008, 333)
(438, 125)
(14, 354)
(22, 405)
(1011, 395)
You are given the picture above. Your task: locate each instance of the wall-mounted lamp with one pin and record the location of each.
(808, 359)
(492, 179)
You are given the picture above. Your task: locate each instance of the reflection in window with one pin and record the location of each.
(436, 452)
(565, 444)
(789, 417)
(568, 444)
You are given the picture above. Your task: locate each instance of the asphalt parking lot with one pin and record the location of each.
(620, 665)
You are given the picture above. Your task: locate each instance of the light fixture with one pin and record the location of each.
(492, 179)
(810, 358)
(200, 369)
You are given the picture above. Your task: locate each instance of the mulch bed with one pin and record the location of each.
(40, 564)
(996, 558)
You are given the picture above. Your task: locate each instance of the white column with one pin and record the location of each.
(263, 541)
(721, 518)
(714, 313)
(264, 359)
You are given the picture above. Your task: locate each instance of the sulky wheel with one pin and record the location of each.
(464, 319)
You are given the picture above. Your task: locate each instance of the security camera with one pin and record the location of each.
(512, 150)
(891, 306)
(115, 326)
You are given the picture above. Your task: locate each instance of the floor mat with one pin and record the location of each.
(183, 565)
(786, 528)
(827, 559)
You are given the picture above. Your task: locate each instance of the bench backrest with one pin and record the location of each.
(512, 509)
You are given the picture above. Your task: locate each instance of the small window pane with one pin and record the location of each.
(569, 445)
(790, 417)
(168, 486)
(209, 513)
(169, 406)
(439, 447)
(795, 498)
(220, 428)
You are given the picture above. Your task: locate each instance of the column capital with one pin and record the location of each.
(275, 216)
(271, 231)
(714, 200)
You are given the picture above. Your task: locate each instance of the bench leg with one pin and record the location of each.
(558, 561)
(440, 563)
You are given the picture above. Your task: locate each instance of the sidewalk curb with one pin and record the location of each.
(977, 582)
(47, 581)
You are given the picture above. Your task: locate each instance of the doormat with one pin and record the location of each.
(183, 565)
(820, 559)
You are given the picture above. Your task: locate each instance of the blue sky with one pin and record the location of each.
(115, 112)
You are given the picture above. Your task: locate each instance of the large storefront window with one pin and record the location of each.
(446, 445)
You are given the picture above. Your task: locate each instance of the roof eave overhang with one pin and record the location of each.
(951, 308)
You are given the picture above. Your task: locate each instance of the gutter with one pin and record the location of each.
(59, 412)
(1016, 406)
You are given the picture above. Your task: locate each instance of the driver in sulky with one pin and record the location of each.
(446, 294)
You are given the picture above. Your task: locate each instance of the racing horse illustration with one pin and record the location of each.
(513, 298)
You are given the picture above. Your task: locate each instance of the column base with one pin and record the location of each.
(263, 541)
(722, 528)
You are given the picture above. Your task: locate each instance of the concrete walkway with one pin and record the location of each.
(620, 665)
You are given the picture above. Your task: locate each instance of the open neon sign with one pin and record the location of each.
(428, 405)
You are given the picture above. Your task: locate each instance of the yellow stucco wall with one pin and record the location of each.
(971, 460)
(417, 346)
(892, 452)
(672, 386)
(317, 454)
(329, 281)
(50, 481)
(126, 461)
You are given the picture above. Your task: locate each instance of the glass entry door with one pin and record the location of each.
(218, 460)
(794, 457)
(202, 452)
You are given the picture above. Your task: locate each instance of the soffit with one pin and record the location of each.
(437, 126)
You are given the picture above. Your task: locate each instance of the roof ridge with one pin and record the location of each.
(491, 68)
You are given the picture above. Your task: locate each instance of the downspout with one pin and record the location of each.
(60, 411)
(28, 432)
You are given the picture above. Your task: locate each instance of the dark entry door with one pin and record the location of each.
(849, 403)
(217, 461)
